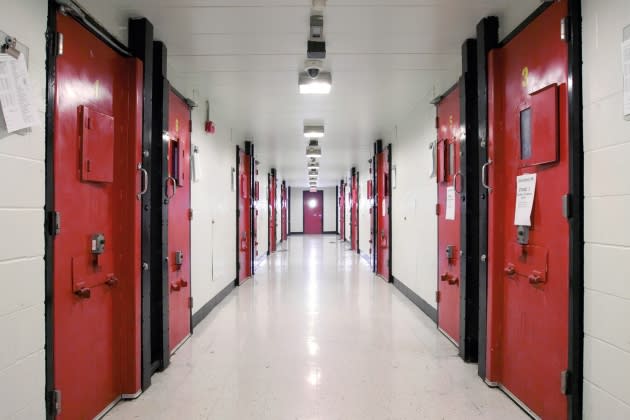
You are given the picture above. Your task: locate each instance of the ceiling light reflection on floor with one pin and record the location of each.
(314, 377)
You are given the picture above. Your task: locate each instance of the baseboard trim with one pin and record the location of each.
(329, 232)
(424, 306)
(212, 303)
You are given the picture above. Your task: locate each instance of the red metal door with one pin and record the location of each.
(342, 211)
(272, 213)
(449, 214)
(244, 219)
(256, 199)
(96, 249)
(284, 211)
(382, 216)
(179, 212)
(354, 215)
(313, 203)
(528, 272)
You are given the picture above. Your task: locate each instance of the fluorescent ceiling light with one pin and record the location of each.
(313, 150)
(313, 131)
(312, 165)
(321, 85)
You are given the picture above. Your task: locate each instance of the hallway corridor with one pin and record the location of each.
(315, 335)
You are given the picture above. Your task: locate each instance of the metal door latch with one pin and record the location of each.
(179, 259)
(522, 235)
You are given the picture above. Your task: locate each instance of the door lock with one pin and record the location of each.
(522, 235)
(450, 252)
(98, 243)
(179, 259)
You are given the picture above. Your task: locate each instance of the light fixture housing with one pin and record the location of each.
(320, 85)
(313, 131)
(313, 150)
(313, 164)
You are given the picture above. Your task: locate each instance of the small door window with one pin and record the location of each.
(451, 159)
(526, 134)
(175, 162)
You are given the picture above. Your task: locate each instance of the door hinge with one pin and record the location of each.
(54, 402)
(565, 382)
(190, 214)
(58, 44)
(53, 221)
(567, 206)
(190, 126)
(437, 209)
(437, 122)
(190, 302)
(565, 29)
(438, 295)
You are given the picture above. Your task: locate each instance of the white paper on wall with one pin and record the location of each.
(625, 61)
(450, 203)
(196, 166)
(16, 96)
(525, 192)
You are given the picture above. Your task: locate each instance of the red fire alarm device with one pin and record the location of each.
(209, 125)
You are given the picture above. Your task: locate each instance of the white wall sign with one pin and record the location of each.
(16, 96)
(525, 191)
(625, 62)
(196, 165)
(450, 203)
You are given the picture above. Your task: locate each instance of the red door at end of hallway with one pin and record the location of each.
(95, 223)
(383, 252)
(244, 197)
(449, 214)
(527, 179)
(179, 216)
(313, 203)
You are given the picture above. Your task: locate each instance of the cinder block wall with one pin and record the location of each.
(607, 207)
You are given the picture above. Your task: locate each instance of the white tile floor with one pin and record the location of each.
(316, 336)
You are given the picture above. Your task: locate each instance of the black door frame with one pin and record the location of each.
(469, 201)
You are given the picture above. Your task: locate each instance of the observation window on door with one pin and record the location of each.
(451, 159)
(526, 134)
(175, 162)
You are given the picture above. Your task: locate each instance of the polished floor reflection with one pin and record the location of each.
(315, 335)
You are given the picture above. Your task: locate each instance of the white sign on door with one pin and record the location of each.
(450, 203)
(525, 191)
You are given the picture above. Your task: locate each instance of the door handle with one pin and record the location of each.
(174, 181)
(144, 182)
(457, 174)
(484, 175)
(84, 293)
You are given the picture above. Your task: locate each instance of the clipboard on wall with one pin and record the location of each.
(10, 46)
